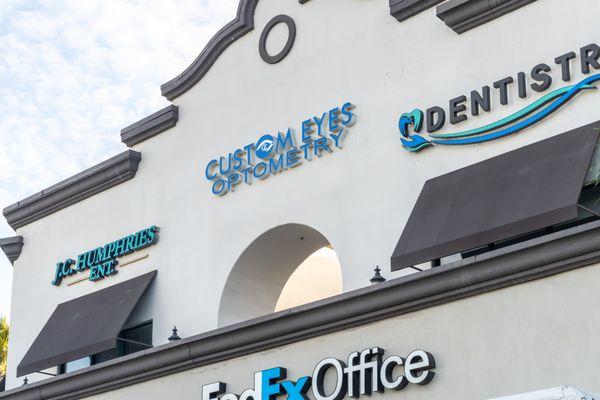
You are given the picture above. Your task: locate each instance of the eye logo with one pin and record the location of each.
(265, 147)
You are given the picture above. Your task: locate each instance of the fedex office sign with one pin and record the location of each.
(364, 372)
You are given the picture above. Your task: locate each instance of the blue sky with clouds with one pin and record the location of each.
(74, 72)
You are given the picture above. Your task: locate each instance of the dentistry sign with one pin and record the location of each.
(102, 261)
(537, 80)
(277, 153)
(364, 372)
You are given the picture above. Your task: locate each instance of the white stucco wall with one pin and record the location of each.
(359, 198)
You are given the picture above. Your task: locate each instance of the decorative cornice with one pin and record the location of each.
(12, 246)
(96, 179)
(150, 126)
(462, 15)
(242, 24)
(534, 259)
(404, 9)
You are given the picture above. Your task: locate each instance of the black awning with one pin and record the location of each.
(530, 188)
(84, 326)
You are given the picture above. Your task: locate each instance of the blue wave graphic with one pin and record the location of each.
(535, 118)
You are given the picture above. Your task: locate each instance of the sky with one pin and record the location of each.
(73, 73)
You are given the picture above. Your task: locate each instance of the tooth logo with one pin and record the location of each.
(412, 142)
(265, 147)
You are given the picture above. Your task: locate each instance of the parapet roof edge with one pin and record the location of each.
(404, 9)
(242, 24)
(12, 246)
(463, 15)
(89, 182)
(150, 126)
(537, 258)
(460, 15)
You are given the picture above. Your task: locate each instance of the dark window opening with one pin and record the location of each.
(130, 340)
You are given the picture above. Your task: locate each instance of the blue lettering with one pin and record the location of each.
(238, 158)
(219, 188)
(248, 175)
(338, 139)
(58, 274)
(111, 268)
(261, 174)
(307, 130)
(297, 390)
(233, 180)
(222, 169)
(347, 112)
(305, 148)
(334, 120)
(249, 149)
(276, 167)
(81, 261)
(319, 123)
(321, 144)
(292, 158)
(95, 273)
(209, 168)
(270, 389)
(284, 142)
(152, 234)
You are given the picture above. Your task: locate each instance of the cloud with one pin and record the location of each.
(73, 73)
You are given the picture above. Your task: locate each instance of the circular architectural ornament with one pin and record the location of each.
(262, 47)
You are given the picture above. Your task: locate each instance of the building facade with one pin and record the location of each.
(450, 142)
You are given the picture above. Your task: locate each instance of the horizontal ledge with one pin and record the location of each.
(96, 179)
(537, 258)
(463, 15)
(150, 126)
(404, 9)
(12, 246)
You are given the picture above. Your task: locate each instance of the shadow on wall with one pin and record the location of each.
(292, 256)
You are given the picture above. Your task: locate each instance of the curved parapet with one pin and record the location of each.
(242, 24)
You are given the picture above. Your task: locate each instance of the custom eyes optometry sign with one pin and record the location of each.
(364, 373)
(102, 261)
(434, 118)
(274, 154)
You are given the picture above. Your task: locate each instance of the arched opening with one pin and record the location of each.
(291, 256)
(318, 277)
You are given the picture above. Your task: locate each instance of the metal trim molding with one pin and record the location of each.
(538, 258)
(404, 9)
(12, 246)
(463, 15)
(150, 126)
(91, 181)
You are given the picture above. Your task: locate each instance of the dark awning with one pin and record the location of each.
(530, 188)
(84, 326)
